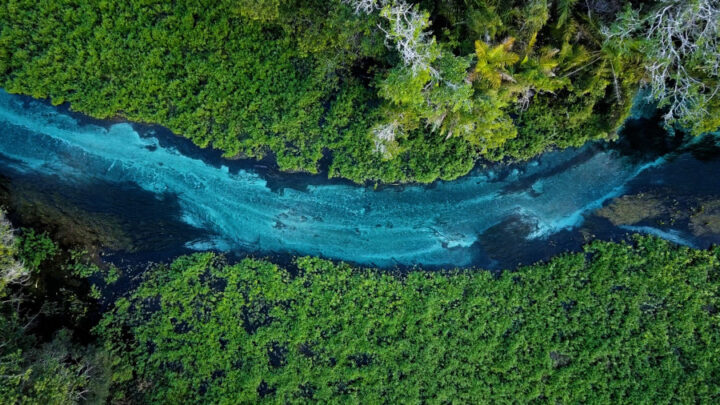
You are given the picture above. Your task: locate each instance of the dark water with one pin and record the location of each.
(159, 195)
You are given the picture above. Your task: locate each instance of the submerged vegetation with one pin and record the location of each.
(631, 209)
(706, 218)
(699, 215)
(390, 90)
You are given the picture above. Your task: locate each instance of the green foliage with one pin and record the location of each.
(220, 75)
(262, 10)
(679, 44)
(35, 248)
(32, 371)
(564, 9)
(614, 324)
(291, 79)
(81, 266)
(57, 373)
(492, 62)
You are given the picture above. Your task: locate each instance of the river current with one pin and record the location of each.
(497, 217)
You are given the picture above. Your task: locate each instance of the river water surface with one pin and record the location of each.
(161, 190)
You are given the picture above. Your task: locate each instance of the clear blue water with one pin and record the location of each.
(489, 218)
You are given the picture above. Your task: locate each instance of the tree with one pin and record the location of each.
(680, 40)
(492, 62)
(56, 372)
(260, 10)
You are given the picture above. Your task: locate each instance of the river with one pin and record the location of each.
(163, 194)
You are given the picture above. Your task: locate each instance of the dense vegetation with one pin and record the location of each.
(621, 323)
(42, 361)
(615, 324)
(391, 90)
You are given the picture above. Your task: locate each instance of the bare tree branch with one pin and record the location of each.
(682, 47)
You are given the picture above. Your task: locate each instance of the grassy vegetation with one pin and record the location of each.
(296, 78)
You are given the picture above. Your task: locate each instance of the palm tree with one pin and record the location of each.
(493, 61)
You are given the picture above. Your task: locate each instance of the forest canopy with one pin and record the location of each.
(389, 90)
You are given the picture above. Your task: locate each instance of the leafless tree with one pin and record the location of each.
(11, 270)
(384, 135)
(406, 31)
(683, 53)
(366, 6)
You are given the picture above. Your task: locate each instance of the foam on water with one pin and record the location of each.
(436, 225)
(672, 235)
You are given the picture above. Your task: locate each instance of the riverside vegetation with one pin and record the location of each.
(391, 91)
(637, 322)
(45, 358)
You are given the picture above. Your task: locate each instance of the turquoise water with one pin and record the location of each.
(447, 223)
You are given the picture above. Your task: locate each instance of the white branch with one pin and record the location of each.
(679, 34)
(385, 135)
(406, 32)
